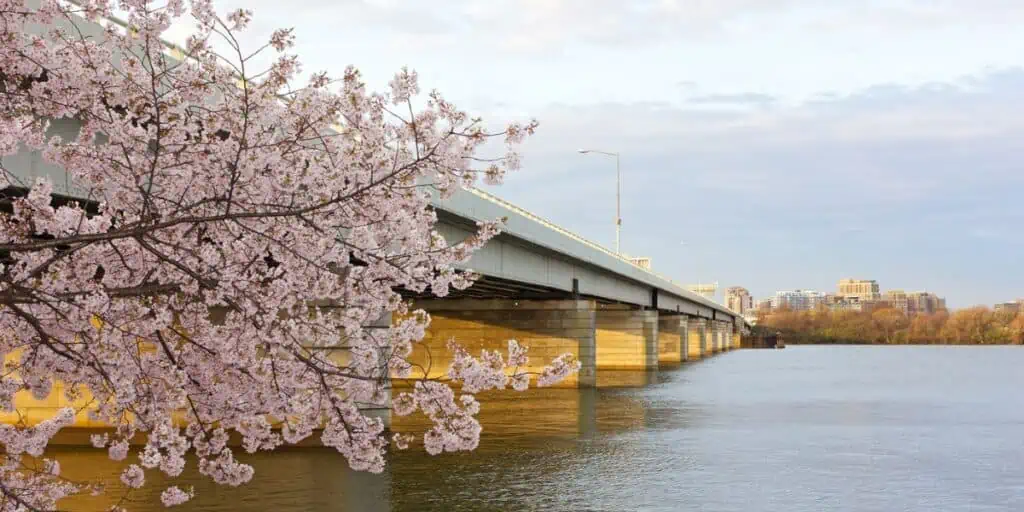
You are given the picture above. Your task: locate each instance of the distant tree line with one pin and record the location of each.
(888, 326)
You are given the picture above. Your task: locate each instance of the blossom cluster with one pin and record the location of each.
(235, 244)
(33, 488)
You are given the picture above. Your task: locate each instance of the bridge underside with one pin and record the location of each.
(489, 287)
(601, 336)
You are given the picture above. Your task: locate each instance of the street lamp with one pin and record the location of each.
(618, 184)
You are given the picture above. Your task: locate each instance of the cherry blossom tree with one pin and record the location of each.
(236, 245)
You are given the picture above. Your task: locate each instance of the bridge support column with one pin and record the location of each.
(716, 336)
(695, 338)
(671, 338)
(706, 348)
(627, 338)
(684, 338)
(711, 340)
(723, 336)
(723, 340)
(548, 327)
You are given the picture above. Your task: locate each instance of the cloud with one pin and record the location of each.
(953, 119)
(546, 25)
(741, 99)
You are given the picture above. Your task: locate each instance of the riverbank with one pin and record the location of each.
(908, 344)
(887, 326)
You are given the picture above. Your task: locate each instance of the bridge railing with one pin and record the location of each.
(569, 234)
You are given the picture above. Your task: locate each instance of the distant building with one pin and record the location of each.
(1016, 306)
(924, 303)
(738, 299)
(863, 289)
(897, 299)
(798, 300)
(912, 303)
(839, 303)
(864, 295)
(764, 305)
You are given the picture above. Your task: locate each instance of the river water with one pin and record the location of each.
(804, 429)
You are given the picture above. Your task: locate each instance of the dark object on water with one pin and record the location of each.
(777, 340)
(764, 339)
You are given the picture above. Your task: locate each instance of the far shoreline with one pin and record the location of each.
(869, 344)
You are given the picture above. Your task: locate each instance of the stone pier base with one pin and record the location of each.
(548, 327)
(671, 339)
(695, 338)
(627, 338)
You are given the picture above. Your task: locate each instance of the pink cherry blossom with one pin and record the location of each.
(563, 366)
(118, 450)
(174, 496)
(238, 238)
(133, 476)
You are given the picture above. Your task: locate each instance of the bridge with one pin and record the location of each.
(540, 284)
(552, 290)
(558, 292)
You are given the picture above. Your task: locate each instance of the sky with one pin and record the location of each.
(770, 144)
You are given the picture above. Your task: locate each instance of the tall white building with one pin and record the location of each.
(798, 300)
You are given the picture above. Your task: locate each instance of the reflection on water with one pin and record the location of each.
(801, 429)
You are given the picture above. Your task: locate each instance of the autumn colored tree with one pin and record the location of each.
(1016, 329)
(926, 328)
(972, 325)
(235, 242)
(978, 325)
(888, 322)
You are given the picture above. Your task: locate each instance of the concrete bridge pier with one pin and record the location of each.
(716, 337)
(728, 332)
(712, 337)
(626, 338)
(725, 338)
(696, 338)
(684, 338)
(672, 339)
(548, 327)
(719, 336)
(604, 337)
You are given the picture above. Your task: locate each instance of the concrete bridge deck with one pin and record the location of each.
(540, 256)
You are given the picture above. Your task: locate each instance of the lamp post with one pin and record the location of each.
(618, 184)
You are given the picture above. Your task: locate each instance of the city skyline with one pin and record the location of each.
(887, 148)
(851, 294)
